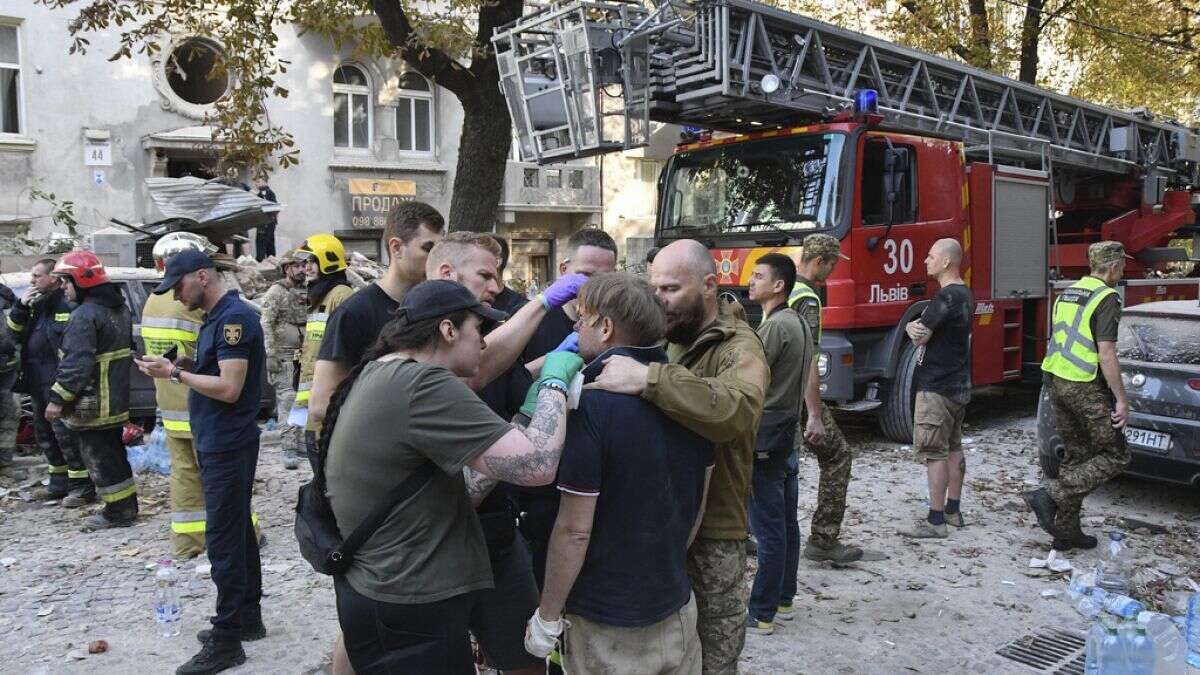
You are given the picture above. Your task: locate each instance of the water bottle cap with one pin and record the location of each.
(165, 562)
(1116, 536)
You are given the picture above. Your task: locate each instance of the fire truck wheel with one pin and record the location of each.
(1050, 445)
(896, 413)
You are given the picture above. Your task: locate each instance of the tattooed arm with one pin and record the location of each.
(526, 456)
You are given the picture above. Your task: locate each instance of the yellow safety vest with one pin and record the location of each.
(1072, 353)
(167, 323)
(800, 292)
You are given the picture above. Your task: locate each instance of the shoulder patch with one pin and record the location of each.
(233, 333)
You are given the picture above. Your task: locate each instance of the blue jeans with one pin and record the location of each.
(228, 480)
(774, 502)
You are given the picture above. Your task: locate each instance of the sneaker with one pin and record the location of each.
(1042, 504)
(955, 519)
(290, 460)
(214, 657)
(759, 627)
(923, 529)
(99, 521)
(839, 553)
(785, 612)
(77, 499)
(1073, 541)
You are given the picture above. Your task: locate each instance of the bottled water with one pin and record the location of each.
(1140, 653)
(1112, 650)
(1170, 651)
(1095, 641)
(1117, 604)
(1193, 630)
(1088, 606)
(167, 610)
(1112, 571)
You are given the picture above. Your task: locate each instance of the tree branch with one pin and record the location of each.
(957, 48)
(492, 15)
(429, 61)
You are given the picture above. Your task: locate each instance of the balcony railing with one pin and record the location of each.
(563, 187)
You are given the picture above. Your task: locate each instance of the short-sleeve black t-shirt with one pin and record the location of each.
(1107, 318)
(647, 474)
(944, 365)
(356, 324)
(232, 330)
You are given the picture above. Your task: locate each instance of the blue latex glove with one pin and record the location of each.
(570, 344)
(563, 290)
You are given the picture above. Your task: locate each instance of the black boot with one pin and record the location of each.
(1043, 506)
(252, 629)
(216, 655)
(1071, 538)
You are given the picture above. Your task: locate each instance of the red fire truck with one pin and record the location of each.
(820, 129)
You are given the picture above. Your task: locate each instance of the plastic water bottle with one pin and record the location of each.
(1095, 642)
(1170, 651)
(1117, 604)
(1112, 571)
(1089, 606)
(167, 610)
(1082, 584)
(1193, 630)
(1112, 650)
(1140, 653)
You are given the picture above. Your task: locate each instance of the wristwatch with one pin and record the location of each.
(556, 385)
(175, 373)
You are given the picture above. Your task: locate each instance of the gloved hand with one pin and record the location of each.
(541, 636)
(559, 367)
(569, 344)
(563, 290)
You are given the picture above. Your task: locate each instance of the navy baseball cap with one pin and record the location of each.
(181, 264)
(430, 299)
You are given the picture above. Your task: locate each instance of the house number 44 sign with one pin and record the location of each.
(97, 153)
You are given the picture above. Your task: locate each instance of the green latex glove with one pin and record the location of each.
(558, 366)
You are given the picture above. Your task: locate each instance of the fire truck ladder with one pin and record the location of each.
(585, 77)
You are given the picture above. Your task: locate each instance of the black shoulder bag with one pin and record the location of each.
(316, 529)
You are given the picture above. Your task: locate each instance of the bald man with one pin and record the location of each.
(715, 385)
(942, 336)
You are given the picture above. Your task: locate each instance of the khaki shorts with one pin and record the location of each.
(937, 426)
(669, 646)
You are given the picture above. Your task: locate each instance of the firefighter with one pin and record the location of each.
(167, 324)
(1084, 378)
(38, 322)
(821, 434)
(91, 389)
(325, 272)
(283, 321)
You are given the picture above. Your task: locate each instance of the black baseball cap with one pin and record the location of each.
(180, 265)
(438, 297)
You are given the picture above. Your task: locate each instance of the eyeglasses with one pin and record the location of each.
(584, 321)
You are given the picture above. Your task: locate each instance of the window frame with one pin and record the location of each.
(352, 90)
(409, 97)
(20, 133)
(914, 212)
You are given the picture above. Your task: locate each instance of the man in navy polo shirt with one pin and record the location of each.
(225, 387)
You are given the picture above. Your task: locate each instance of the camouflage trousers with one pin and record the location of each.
(716, 568)
(834, 460)
(1094, 451)
(285, 397)
(10, 419)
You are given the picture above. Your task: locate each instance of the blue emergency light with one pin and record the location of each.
(866, 102)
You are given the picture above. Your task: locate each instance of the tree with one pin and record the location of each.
(450, 46)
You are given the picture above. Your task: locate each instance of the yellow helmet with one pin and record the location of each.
(328, 251)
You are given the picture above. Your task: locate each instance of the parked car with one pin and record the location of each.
(137, 284)
(1159, 349)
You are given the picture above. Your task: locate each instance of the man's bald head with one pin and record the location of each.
(949, 248)
(944, 259)
(688, 254)
(684, 278)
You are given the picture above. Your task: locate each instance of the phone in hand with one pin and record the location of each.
(171, 353)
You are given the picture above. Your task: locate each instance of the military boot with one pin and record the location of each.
(216, 655)
(109, 519)
(1043, 506)
(838, 552)
(1072, 540)
(252, 628)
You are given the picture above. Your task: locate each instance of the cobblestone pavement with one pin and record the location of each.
(933, 606)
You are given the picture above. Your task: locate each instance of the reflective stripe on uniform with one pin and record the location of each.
(55, 469)
(115, 493)
(303, 393)
(802, 291)
(1073, 310)
(105, 361)
(176, 420)
(160, 334)
(13, 324)
(62, 316)
(62, 392)
(82, 473)
(314, 326)
(188, 522)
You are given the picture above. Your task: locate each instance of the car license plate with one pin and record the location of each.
(1151, 440)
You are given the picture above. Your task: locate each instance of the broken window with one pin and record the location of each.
(196, 72)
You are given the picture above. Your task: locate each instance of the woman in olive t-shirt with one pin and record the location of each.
(405, 602)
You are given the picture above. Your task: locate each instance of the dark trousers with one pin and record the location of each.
(538, 513)
(228, 480)
(310, 449)
(104, 455)
(389, 638)
(774, 521)
(60, 445)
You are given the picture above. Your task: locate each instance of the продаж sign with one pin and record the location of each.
(372, 200)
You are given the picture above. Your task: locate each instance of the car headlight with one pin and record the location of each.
(823, 364)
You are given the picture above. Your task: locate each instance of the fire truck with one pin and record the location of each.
(799, 126)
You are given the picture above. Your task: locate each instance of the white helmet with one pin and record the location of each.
(173, 243)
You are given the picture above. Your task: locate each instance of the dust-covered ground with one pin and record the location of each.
(932, 606)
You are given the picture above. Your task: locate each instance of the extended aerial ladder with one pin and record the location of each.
(742, 66)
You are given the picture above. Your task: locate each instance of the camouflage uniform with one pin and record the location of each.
(283, 315)
(716, 568)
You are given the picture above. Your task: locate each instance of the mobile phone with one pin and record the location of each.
(171, 353)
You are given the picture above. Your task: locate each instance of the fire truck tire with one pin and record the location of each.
(1049, 446)
(896, 413)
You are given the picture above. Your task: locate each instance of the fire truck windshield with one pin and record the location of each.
(767, 185)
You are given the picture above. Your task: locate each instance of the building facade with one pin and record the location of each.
(370, 133)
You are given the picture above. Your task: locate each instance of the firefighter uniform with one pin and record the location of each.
(166, 323)
(1095, 451)
(92, 384)
(38, 328)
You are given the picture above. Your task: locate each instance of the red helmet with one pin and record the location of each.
(83, 267)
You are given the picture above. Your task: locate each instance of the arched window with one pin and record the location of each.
(414, 115)
(351, 108)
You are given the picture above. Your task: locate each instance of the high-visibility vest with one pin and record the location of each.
(167, 323)
(801, 292)
(1072, 353)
